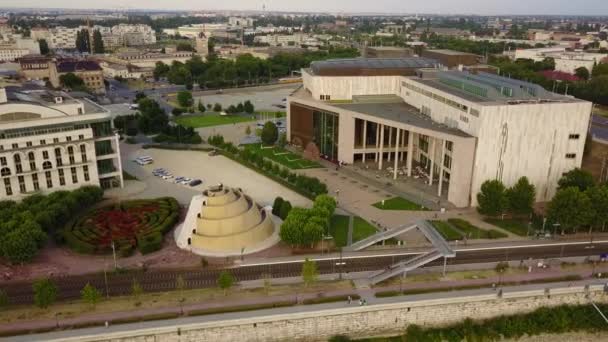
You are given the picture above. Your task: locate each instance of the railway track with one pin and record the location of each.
(164, 280)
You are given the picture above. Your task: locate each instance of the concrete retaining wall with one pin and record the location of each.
(360, 321)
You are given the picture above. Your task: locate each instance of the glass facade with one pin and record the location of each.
(325, 128)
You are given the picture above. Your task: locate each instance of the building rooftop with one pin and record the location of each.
(400, 111)
(366, 66)
(450, 52)
(40, 97)
(74, 66)
(486, 87)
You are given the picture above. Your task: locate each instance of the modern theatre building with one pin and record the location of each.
(452, 130)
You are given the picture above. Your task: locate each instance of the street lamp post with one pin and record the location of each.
(114, 255)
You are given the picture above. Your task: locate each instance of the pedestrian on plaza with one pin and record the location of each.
(365, 302)
(360, 302)
(349, 300)
(494, 286)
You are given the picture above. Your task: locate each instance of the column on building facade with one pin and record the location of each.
(432, 158)
(381, 147)
(443, 142)
(390, 141)
(396, 155)
(410, 152)
(377, 141)
(403, 145)
(364, 139)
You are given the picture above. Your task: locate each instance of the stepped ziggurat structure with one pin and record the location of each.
(224, 221)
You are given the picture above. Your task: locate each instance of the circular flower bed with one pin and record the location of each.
(134, 224)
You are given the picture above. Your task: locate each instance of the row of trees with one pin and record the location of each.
(25, 226)
(495, 199)
(186, 100)
(579, 202)
(216, 73)
(305, 185)
(308, 226)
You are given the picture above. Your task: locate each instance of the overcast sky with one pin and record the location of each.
(568, 7)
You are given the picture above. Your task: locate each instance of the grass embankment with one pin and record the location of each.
(399, 203)
(514, 226)
(209, 119)
(339, 229)
(551, 320)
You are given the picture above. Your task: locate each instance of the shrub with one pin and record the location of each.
(131, 224)
(276, 206)
(285, 209)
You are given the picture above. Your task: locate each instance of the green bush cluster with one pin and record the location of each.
(24, 226)
(307, 186)
(307, 226)
(553, 320)
(178, 134)
(281, 208)
(137, 227)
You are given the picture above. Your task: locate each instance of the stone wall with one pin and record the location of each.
(381, 319)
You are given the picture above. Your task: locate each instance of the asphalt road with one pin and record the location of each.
(164, 280)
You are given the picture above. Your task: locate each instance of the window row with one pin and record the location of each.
(46, 164)
(42, 142)
(48, 179)
(439, 98)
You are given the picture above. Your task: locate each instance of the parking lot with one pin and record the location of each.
(263, 98)
(199, 165)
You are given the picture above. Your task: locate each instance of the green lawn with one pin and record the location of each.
(399, 203)
(601, 110)
(446, 231)
(362, 229)
(514, 226)
(339, 229)
(474, 232)
(211, 119)
(284, 157)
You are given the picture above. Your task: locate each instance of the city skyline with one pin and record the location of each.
(517, 7)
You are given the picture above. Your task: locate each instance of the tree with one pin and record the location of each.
(578, 178)
(184, 98)
(45, 293)
(82, 41)
(309, 272)
(522, 197)
(582, 73)
(270, 133)
(70, 80)
(600, 69)
(492, 200)
(248, 130)
(44, 47)
(282, 140)
(97, 42)
(248, 107)
(285, 209)
(184, 47)
(136, 290)
(161, 70)
(217, 108)
(3, 298)
(90, 295)
(598, 196)
(152, 118)
(292, 228)
(276, 206)
(225, 281)
(570, 208)
(201, 107)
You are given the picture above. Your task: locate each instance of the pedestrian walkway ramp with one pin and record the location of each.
(379, 237)
(441, 249)
(405, 266)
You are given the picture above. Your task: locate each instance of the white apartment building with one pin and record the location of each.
(286, 40)
(49, 142)
(119, 35)
(565, 61)
(15, 46)
(448, 130)
(240, 22)
(134, 35)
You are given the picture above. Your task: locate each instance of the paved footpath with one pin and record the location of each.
(362, 290)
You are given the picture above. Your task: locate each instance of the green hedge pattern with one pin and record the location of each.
(133, 224)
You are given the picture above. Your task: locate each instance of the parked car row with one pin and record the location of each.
(168, 176)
